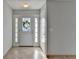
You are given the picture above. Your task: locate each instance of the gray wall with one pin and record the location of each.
(61, 27)
(43, 29)
(7, 27)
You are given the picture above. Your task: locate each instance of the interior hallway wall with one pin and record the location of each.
(7, 27)
(61, 27)
(43, 29)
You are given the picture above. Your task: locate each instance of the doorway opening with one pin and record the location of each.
(26, 31)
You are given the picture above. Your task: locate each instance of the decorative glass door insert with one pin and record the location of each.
(26, 25)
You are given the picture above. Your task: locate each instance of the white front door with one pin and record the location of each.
(28, 31)
(25, 32)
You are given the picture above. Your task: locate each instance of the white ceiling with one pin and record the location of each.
(18, 4)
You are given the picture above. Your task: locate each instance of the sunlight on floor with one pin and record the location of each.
(25, 53)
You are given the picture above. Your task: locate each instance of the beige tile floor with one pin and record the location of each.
(25, 53)
(29, 53)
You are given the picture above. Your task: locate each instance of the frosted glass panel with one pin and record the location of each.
(36, 29)
(16, 29)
